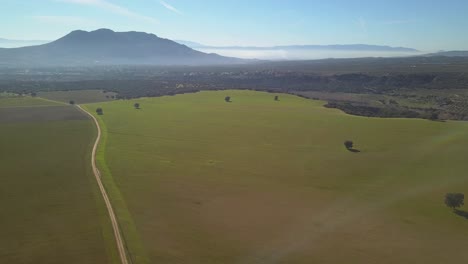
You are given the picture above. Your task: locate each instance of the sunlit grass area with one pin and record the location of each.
(258, 180)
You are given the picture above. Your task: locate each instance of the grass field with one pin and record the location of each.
(79, 96)
(264, 181)
(51, 211)
(25, 101)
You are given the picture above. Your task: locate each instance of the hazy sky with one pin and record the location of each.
(426, 25)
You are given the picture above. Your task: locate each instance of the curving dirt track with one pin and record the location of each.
(97, 175)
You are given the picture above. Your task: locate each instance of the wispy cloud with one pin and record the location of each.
(170, 7)
(116, 9)
(66, 20)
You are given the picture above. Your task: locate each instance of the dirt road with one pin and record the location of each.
(97, 175)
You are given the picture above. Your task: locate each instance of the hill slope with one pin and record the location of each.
(106, 47)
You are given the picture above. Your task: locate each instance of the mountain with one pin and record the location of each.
(453, 53)
(106, 47)
(350, 47)
(190, 44)
(13, 43)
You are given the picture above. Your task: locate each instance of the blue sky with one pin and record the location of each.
(426, 25)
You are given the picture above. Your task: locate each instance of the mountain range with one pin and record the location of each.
(106, 47)
(350, 47)
(454, 53)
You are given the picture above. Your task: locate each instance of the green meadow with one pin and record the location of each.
(51, 211)
(195, 179)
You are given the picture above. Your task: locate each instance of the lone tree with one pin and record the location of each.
(137, 106)
(349, 144)
(227, 99)
(99, 111)
(276, 98)
(454, 200)
(72, 102)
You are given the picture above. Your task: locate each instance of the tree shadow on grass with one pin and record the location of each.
(353, 150)
(461, 213)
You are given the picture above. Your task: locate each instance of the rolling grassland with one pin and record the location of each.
(200, 180)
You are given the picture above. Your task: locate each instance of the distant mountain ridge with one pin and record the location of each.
(452, 53)
(14, 43)
(106, 47)
(344, 47)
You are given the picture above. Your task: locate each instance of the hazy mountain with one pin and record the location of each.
(304, 52)
(350, 47)
(13, 43)
(190, 44)
(106, 47)
(453, 53)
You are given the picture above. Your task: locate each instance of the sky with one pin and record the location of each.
(429, 25)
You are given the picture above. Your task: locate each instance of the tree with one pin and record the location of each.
(72, 102)
(454, 200)
(33, 94)
(227, 99)
(349, 144)
(276, 98)
(137, 106)
(99, 111)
